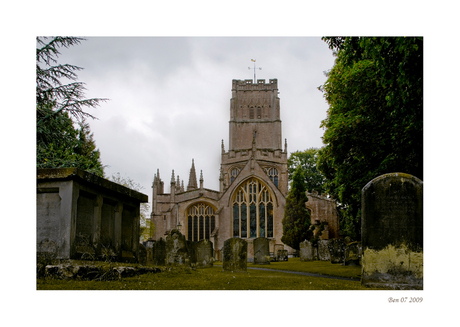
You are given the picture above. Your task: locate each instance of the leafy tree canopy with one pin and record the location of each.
(307, 160)
(296, 221)
(63, 135)
(374, 123)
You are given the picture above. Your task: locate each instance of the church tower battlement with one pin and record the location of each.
(255, 132)
(255, 115)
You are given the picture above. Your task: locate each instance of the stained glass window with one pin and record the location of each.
(236, 220)
(273, 175)
(200, 222)
(252, 207)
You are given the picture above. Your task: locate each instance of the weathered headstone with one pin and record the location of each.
(261, 251)
(176, 249)
(323, 250)
(278, 247)
(392, 232)
(149, 247)
(352, 254)
(235, 255)
(204, 254)
(282, 255)
(337, 250)
(191, 250)
(306, 251)
(159, 252)
(142, 254)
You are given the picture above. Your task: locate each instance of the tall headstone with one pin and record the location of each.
(323, 250)
(149, 247)
(392, 232)
(204, 254)
(176, 249)
(306, 251)
(337, 250)
(191, 249)
(159, 252)
(261, 250)
(235, 255)
(142, 254)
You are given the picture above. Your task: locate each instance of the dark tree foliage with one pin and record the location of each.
(375, 118)
(296, 221)
(307, 160)
(60, 109)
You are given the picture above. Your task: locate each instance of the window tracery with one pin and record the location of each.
(273, 175)
(201, 221)
(252, 210)
(233, 173)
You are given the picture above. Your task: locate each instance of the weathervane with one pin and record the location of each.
(254, 69)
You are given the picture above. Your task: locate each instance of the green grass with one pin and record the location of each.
(216, 279)
(315, 267)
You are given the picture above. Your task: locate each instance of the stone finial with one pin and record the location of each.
(182, 189)
(285, 145)
(173, 180)
(201, 179)
(192, 182)
(178, 184)
(223, 147)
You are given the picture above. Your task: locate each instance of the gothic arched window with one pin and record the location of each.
(200, 222)
(233, 173)
(252, 210)
(273, 175)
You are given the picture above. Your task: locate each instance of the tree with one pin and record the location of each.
(374, 123)
(307, 160)
(296, 221)
(145, 223)
(59, 108)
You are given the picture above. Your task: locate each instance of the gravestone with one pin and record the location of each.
(282, 255)
(142, 254)
(235, 255)
(204, 254)
(278, 247)
(261, 251)
(149, 247)
(191, 250)
(323, 250)
(336, 250)
(306, 251)
(176, 249)
(392, 232)
(159, 252)
(352, 254)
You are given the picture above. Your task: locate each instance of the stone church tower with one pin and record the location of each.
(253, 178)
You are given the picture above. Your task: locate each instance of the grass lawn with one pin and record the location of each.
(216, 279)
(315, 267)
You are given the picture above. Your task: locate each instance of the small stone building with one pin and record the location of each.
(324, 210)
(83, 214)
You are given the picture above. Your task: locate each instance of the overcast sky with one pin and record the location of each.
(170, 98)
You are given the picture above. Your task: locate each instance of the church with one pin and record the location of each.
(253, 179)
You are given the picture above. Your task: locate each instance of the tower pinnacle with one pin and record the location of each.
(192, 182)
